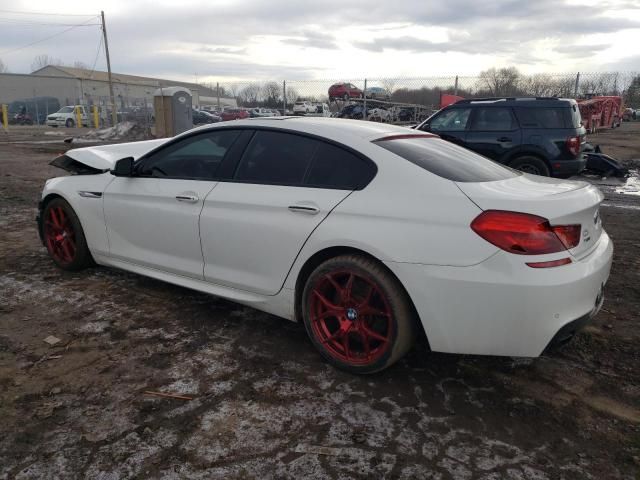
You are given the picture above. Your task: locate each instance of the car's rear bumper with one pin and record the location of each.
(501, 306)
(567, 168)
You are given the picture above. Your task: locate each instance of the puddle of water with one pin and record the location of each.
(631, 186)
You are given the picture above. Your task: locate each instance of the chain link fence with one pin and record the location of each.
(395, 100)
(408, 100)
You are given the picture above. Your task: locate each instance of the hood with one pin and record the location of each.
(105, 157)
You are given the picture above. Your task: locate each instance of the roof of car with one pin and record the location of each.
(324, 126)
(516, 101)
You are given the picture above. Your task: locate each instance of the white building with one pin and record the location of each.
(73, 86)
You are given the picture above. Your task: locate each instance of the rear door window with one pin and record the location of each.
(276, 158)
(488, 119)
(335, 167)
(447, 160)
(452, 120)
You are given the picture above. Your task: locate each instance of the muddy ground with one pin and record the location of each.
(263, 403)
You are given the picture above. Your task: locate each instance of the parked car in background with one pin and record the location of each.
(303, 107)
(234, 114)
(260, 112)
(294, 218)
(379, 114)
(37, 108)
(378, 93)
(542, 136)
(344, 91)
(200, 117)
(66, 117)
(320, 110)
(214, 116)
(628, 114)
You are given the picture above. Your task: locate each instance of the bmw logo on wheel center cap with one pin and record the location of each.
(352, 314)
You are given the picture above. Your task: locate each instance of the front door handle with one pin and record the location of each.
(187, 198)
(504, 139)
(308, 209)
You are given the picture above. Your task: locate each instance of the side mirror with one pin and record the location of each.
(123, 167)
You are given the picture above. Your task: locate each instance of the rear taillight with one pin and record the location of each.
(523, 233)
(573, 145)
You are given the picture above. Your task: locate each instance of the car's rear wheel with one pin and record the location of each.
(69, 123)
(357, 314)
(532, 165)
(64, 237)
(345, 97)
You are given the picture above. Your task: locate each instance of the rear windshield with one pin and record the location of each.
(447, 160)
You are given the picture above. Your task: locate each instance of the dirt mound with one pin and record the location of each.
(128, 131)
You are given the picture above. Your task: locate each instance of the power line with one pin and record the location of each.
(95, 62)
(46, 38)
(12, 21)
(47, 14)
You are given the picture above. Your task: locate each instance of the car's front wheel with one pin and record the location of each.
(357, 314)
(69, 123)
(64, 237)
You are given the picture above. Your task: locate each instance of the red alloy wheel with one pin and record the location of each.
(351, 318)
(59, 235)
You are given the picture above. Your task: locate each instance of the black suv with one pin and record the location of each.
(543, 136)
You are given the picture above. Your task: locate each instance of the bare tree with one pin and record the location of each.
(41, 61)
(632, 95)
(3, 67)
(500, 82)
(234, 89)
(272, 94)
(249, 94)
(389, 85)
(79, 64)
(292, 95)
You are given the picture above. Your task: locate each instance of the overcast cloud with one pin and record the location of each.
(293, 39)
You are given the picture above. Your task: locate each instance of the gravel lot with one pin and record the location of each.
(263, 403)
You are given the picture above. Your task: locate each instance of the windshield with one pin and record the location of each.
(66, 110)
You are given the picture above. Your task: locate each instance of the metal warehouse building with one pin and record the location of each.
(81, 86)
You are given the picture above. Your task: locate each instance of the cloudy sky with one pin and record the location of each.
(297, 39)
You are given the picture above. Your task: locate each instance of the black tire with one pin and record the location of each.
(81, 257)
(69, 123)
(345, 97)
(400, 322)
(532, 165)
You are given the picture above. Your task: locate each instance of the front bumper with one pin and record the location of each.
(501, 306)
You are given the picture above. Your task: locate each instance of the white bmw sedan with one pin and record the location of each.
(365, 232)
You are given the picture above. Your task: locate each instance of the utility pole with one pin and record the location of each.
(114, 114)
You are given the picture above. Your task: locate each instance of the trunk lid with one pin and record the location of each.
(562, 202)
(104, 157)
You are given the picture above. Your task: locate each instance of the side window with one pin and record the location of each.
(492, 119)
(452, 120)
(541, 117)
(334, 167)
(196, 157)
(276, 157)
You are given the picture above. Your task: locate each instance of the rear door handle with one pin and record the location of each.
(504, 139)
(187, 198)
(308, 209)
